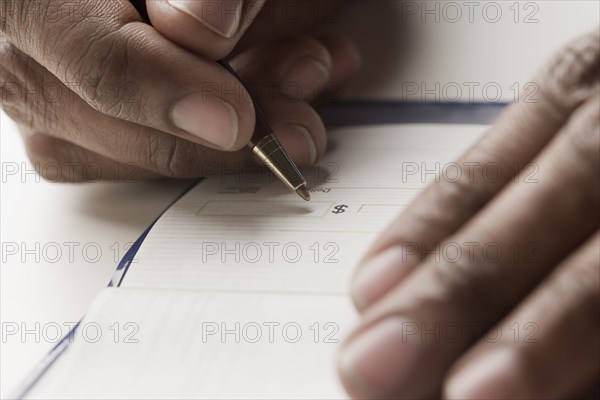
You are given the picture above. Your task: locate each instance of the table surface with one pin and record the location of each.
(61, 242)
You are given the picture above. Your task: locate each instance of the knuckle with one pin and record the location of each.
(98, 68)
(462, 194)
(10, 74)
(583, 132)
(12, 12)
(571, 75)
(22, 89)
(582, 138)
(465, 279)
(100, 73)
(11, 83)
(171, 156)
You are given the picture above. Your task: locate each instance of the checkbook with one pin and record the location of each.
(240, 288)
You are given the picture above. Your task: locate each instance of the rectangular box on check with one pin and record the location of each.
(381, 210)
(292, 209)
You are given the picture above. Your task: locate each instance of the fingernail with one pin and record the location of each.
(305, 77)
(497, 375)
(220, 16)
(380, 359)
(379, 274)
(298, 143)
(208, 118)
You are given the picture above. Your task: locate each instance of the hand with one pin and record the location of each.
(97, 93)
(512, 309)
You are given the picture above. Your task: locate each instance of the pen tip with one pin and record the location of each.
(303, 192)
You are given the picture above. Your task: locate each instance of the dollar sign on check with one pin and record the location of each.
(339, 209)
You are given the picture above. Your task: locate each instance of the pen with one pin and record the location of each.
(266, 146)
(268, 149)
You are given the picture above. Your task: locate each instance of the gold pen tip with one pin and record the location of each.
(303, 192)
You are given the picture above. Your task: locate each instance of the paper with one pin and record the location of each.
(240, 289)
(183, 344)
(248, 232)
